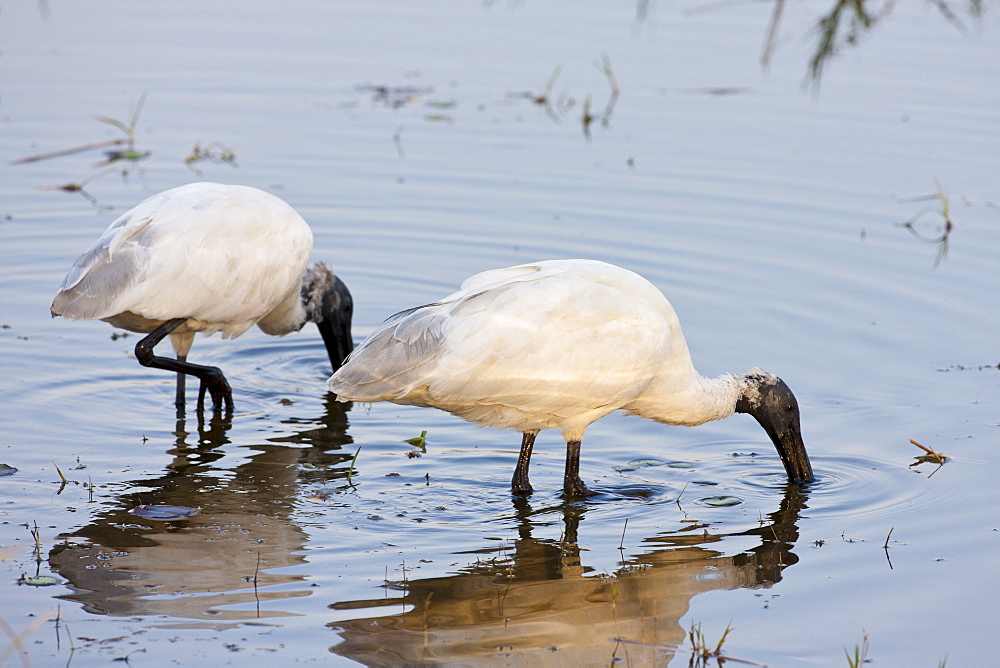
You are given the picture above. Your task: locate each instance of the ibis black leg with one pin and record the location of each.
(181, 386)
(519, 484)
(572, 485)
(212, 378)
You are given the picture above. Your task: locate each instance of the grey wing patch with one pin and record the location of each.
(395, 359)
(104, 272)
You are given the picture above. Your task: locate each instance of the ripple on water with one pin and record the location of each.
(852, 489)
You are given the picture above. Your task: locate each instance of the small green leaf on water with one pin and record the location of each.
(38, 581)
(681, 465)
(7, 470)
(722, 501)
(133, 156)
(418, 441)
(164, 512)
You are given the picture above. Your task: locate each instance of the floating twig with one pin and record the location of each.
(931, 457)
(678, 499)
(69, 151)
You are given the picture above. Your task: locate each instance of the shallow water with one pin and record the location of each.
(768, 211)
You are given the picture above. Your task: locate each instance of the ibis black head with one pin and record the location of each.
(329, 304)
(768, 399)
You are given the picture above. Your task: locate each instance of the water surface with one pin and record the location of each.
(768, 210)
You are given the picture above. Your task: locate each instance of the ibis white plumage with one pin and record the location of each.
(209, 258)
(559, 344)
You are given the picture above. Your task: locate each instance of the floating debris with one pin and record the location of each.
(394, 97)
(37, 581)
(215, 152)
(164, 512)
(931, 457)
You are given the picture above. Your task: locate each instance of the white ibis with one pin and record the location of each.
(209, 258)
(559, 344)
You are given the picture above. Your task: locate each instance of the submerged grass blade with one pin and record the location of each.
(350, 471)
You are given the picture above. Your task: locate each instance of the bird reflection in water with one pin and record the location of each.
(536, 605)
(225, 564)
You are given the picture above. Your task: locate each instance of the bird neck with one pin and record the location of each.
(687, 398)
(287, 317)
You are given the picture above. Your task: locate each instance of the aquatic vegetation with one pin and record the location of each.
(860, 654)
(418, 441)
(701, 653)
(350, 471)
(215, 152)
(130, 154)
(941, 239)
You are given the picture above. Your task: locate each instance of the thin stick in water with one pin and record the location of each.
(621, 545)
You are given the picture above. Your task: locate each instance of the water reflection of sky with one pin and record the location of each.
(766, 209)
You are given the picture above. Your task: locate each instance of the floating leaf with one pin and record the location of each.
(164, 512)
(38, 581)
(722, 501)
(634, 464)
(642, 463)
(418, 441)
(7, 470)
